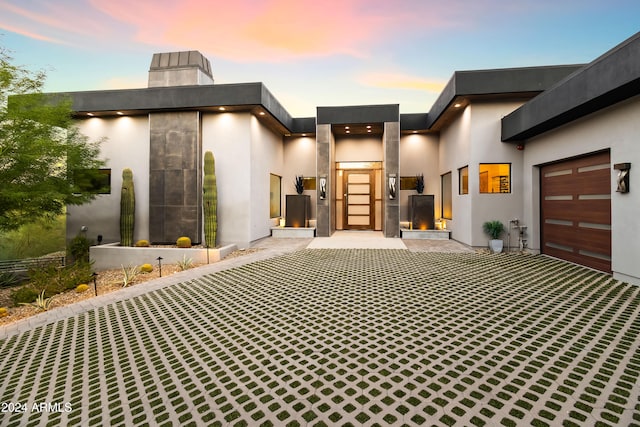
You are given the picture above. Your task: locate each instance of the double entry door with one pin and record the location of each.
(358, 192)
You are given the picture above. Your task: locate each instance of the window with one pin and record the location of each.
(446, 196)
(93, 181)
(495, 177)
(275, 196)
(463, 177)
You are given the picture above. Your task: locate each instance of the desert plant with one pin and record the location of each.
(210, 200)
(146, 268)
(420, 183)
(42, 303)
(185, 264)
(299, 183)
(493, 229)
(24, 294)
(183, 242)
(8, 279)
(142, 244)
(127, 208)
(4, 311)
(78, 248)
(54, 279)
(81, 288)
(129, 274)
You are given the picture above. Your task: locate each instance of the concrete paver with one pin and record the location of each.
(339, 337)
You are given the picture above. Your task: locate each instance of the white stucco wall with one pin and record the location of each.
(419, 155)
(126, 146)
(616, 128)
(358, 149)
(299, 155)
(486, 147)
(266, 158)
(228, 137)
(454, 153)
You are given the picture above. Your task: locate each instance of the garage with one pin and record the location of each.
(576, 210)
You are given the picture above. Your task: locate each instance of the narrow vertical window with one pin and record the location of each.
(447, 211)
(463, 175)
(275, 197)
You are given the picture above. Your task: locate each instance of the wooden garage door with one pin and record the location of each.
(576, 210)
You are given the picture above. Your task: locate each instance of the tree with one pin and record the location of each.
(41, 150)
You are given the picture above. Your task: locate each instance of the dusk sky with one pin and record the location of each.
(310, 53)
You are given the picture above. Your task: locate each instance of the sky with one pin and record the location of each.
(310, 53)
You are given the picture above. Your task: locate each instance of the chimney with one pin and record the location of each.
(186, 68)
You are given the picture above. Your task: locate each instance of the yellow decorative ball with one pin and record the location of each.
(146, 268)
(82, 287)
(142, 243)
(4, 312)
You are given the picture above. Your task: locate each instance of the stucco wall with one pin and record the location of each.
(616, 128)
(228, 136)
(358, 149)
(126, 146)
(266, 158)
(454, 154)
(419, 155)
(485, 147)
(299, 155)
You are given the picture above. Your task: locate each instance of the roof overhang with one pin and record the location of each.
(510, 83)
(611, 78)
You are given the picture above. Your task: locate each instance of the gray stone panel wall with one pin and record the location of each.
(175, 177)
(323, 167)
(391, 148)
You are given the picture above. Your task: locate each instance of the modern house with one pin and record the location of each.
(546, 150)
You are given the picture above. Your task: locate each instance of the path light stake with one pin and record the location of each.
(160, 265)
(95, 281)
(207, 252)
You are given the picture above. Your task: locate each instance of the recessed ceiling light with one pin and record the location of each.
(90, 114)
(221, 108)
(346, 127)
(262, 113)
(304, 134)
(120, 113)
(369, 127)
(369, 130)
(415, 131)
(458, 105)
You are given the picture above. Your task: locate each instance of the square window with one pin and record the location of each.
(495, 178)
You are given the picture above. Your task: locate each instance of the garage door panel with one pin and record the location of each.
(576, 210)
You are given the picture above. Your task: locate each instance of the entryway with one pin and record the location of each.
(358, 196)
(356, 239)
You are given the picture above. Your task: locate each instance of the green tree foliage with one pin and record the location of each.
(40, 149)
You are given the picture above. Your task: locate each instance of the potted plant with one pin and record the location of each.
(298, 206)
(420, 183)
(494, 230)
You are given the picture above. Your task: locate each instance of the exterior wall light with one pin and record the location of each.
(623, 176)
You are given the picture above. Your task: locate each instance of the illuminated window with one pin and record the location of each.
(463, 176)
(495, 177)
(446, 196)
(275, 197)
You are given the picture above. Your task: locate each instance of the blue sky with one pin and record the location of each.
(307, 52)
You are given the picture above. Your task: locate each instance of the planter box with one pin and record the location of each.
(425, 234)
(421, 212)
(298, 208)
(106, 257)
(293, 232)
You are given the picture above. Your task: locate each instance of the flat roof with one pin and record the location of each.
(609, 79)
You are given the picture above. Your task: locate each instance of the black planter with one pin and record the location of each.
(297, 210)
(421, 212)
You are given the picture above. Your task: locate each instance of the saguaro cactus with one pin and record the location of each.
(210, 200)
(127, 208)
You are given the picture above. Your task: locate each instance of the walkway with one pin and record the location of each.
(340, 337)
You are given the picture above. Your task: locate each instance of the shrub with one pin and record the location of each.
(24, 294)
(78, 249)
(81, 288)
(142, 243)
(493, 228)
(8, 279)
(55, 280)
(183, 242)
(185, 264)
(129, 274)
(146, 268)
(41, 302)
(4, 312)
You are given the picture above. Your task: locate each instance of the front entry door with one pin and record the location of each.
(358, 194)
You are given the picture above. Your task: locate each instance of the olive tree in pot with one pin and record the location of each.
(494, 230)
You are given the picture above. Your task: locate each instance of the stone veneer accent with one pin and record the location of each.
(391, 165)
(175, 176)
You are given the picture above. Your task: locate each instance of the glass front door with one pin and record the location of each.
(358, 191)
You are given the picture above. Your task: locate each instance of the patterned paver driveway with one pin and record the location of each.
(343, 337)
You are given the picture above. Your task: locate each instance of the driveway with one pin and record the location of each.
(341, 337)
